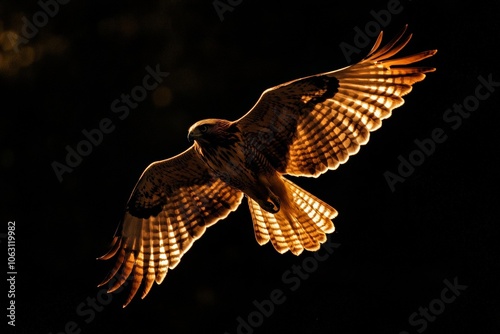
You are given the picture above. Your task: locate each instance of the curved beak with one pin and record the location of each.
(192, 135)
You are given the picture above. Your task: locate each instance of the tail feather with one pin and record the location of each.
(302, 224)
(267, 226)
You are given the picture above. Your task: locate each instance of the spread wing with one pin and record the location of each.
(173, 203)
(313, 124)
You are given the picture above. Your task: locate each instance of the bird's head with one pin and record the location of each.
(211, 130)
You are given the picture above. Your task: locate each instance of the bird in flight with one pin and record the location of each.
(300, 128)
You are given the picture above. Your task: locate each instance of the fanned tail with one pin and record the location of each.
(301, 224)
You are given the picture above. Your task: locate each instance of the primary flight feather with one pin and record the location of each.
(302, 128)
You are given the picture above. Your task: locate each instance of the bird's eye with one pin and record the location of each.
(203, 128)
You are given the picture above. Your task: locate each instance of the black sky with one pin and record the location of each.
(396, 252)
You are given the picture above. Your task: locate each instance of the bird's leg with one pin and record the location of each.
(272, 204)
(268, 191)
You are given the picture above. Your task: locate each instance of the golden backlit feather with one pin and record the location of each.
(147, 247)
(309, 138)
(306, 228)
(301, 128)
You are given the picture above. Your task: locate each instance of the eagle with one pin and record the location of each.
(300, 128)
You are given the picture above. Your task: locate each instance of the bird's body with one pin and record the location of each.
(300, 128)
(222, 142)
(238, 163)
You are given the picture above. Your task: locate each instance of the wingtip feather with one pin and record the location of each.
(114, 247)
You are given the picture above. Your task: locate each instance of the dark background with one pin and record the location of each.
(396, 248)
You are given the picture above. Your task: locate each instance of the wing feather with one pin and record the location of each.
(303, 127)
(310, 125)
(171, 206)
